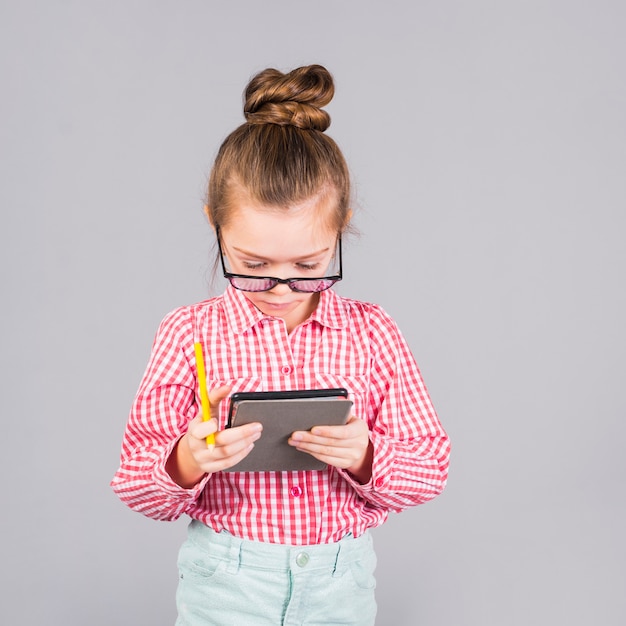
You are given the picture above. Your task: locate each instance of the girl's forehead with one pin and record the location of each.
(304, 222)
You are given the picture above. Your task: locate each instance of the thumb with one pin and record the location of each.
(217, 395)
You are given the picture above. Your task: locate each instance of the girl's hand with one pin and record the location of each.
(193, 458)
(347, 446)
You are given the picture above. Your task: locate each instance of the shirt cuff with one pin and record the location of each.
(165, 483)
(382, 464)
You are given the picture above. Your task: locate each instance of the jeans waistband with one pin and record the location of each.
(242, 552)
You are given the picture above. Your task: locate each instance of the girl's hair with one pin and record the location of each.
(281, 157)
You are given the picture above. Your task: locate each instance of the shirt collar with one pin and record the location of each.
(330, 311)
(240, 312)
(243, 315)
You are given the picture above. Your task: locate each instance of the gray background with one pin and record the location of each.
(488, 146)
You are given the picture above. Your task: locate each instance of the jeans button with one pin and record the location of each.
(302, 559)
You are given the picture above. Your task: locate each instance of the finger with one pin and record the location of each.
(199, 429)
(222, 457)
(239, 433)
(234, 448)
(229, 461)
(305, 438)
(215, 397)
(325, 450)
(353, 428)
(330, 459)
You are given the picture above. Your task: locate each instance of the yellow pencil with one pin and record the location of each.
(204, 396)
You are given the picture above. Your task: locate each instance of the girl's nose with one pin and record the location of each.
(280, 289)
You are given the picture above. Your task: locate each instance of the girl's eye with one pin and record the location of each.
(258, 265)
(308, 266)
(252, 266)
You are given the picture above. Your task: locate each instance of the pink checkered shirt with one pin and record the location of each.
(345, 343)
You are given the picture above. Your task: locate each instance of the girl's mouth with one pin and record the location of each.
(277, 306)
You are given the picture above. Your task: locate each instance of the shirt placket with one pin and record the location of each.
(301, 342)
(283, 371)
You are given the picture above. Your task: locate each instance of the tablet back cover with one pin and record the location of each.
(280, 418)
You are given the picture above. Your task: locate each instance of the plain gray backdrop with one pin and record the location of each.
(487, 142)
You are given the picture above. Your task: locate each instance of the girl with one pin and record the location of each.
(280, 547)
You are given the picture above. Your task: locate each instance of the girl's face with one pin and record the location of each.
(263, 241)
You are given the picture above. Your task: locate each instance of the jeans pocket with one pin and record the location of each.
(198, 564)
(200, 577)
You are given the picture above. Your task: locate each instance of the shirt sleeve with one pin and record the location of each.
(164, 405)
(411, 448)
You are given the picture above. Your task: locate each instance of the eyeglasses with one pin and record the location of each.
(265, 283)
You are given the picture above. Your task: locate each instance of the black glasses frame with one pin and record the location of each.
(284, 281)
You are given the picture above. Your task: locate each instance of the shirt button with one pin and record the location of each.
(302, 559)
(296, 491)
(378, 483)
(286, 370)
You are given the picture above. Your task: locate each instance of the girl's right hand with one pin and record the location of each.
(193, 458)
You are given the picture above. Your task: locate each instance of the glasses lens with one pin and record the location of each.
(251, 283)
(312, 286)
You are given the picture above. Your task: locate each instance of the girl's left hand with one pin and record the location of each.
(347, 446)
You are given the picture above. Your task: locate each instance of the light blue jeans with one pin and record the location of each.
(225, 581)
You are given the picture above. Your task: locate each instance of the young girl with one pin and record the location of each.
(280, 547)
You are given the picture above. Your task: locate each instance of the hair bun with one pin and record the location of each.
(292, 99)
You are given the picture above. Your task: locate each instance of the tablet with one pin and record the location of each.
(282, 413)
